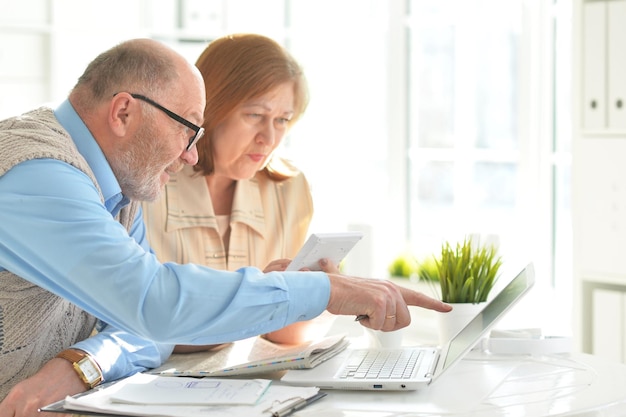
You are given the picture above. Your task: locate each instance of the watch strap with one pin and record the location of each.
(75, 356)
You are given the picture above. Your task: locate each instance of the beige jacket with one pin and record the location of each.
(269, 220)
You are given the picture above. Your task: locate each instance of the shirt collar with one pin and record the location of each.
(189, 202)
(87, 146)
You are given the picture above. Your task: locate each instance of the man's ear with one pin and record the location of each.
(122, 112)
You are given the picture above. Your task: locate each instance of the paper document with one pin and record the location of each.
(274, 400)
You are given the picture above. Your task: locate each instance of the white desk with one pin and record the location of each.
(487, 385)
(570, 385)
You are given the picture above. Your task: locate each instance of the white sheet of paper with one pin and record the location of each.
(154, 389)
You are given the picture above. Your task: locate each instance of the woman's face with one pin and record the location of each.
(243, 143)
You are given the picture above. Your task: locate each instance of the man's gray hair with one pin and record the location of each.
(136, 66)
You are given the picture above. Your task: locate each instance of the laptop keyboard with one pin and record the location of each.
(381, 364)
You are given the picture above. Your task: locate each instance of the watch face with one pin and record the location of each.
(89, 369)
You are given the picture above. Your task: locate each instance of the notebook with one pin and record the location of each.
(252, 356)
(429, 363)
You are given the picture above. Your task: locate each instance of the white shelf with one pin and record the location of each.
(599, 176)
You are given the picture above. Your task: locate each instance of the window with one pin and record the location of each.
(463, 118)
(434, 120)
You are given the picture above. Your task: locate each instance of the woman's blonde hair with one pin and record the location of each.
(237, 68)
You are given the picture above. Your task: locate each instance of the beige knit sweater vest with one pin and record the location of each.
(35, 324)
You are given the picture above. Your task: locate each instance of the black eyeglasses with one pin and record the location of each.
(198, 131)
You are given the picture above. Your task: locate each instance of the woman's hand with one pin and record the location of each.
(277, 265)
(281, 264)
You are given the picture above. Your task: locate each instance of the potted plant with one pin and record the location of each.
(466, 273)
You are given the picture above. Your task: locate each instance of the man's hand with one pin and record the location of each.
(384, 303)
(54, 381)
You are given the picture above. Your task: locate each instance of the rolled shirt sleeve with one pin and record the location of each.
(120, 354)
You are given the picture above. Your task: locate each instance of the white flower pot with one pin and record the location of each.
(449, 324)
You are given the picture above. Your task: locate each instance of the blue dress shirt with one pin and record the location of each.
(50, 207)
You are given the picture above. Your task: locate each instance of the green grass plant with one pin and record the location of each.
(468, 272)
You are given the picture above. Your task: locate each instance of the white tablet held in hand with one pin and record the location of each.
(334, 246)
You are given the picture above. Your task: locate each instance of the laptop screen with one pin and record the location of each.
(467, 338)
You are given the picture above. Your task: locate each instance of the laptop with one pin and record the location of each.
(419, 365)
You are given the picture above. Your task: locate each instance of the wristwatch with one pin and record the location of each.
(84, 365)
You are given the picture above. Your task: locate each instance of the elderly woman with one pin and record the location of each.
(240, 205)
